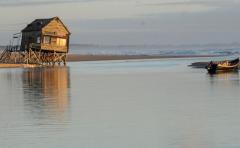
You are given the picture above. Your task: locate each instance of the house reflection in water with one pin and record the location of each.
(46, 90)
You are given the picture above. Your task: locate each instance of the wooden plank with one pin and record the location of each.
(55, 28)
(49, 47)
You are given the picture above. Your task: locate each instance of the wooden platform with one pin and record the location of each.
(37, 57)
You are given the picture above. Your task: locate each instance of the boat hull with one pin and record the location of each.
(223, 66)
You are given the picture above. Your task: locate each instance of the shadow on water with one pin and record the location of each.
(46, 92)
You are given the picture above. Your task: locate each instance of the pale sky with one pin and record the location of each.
(160, 22)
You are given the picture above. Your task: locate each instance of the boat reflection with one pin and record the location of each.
(225, 78)
(46, 91)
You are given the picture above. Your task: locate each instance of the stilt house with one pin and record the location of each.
(44, 42)
(49, 35)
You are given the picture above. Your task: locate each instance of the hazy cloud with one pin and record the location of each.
(5, 3)
(193, 2)
(130, 21)
(18, 3)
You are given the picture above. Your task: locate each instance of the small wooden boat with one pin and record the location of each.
(231, 65)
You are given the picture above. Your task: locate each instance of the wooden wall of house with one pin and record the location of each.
(29, 37)
(55, 28)
(49, 47)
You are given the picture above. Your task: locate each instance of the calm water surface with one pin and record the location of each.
(116, 104)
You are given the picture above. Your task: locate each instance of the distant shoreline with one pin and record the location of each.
(80, 57)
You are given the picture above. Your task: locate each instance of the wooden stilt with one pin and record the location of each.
(33, 56)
